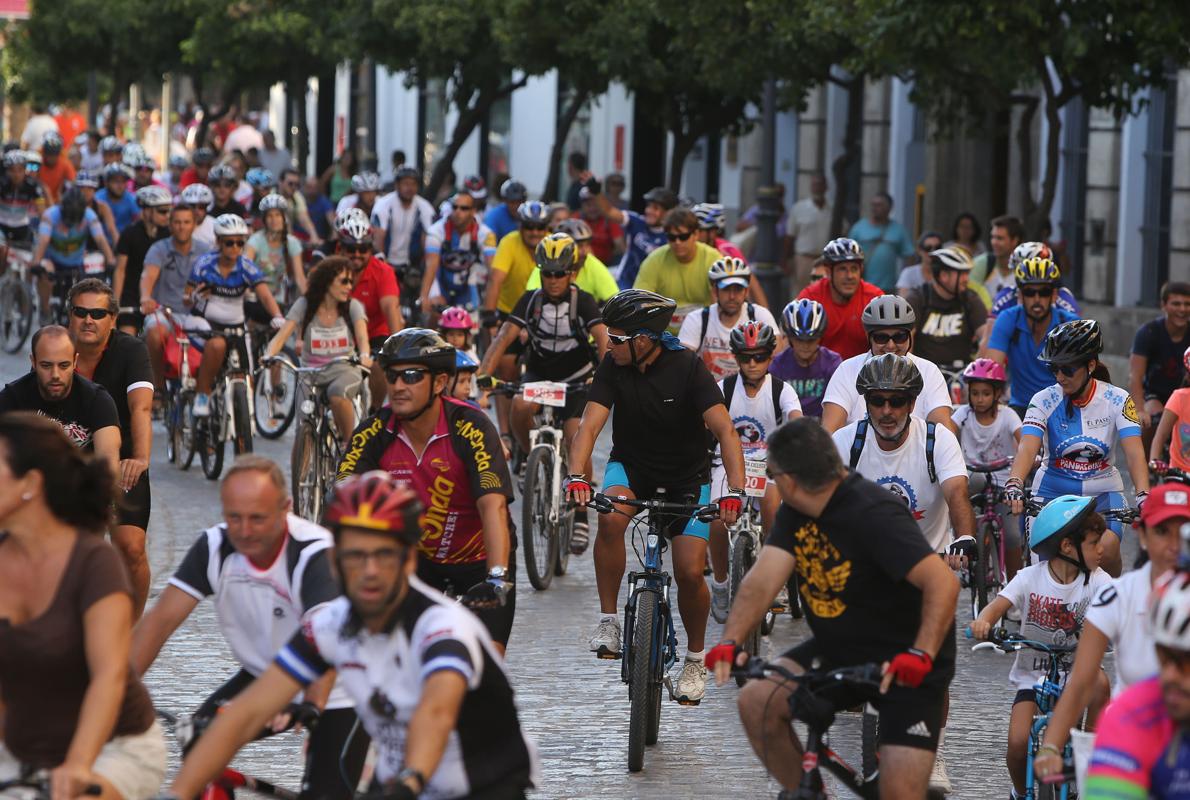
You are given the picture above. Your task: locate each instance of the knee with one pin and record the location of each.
(131, 543)
(689, 576)
(757, 705)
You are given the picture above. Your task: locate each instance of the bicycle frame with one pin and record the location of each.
(237, 369)
(653, 578)
(547, 432)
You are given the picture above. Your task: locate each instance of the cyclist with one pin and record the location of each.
(1174, 417)
(889, 321)
(199, 197)
(711, 225)
(55, 170)
(262, 182)
(477, 187)
(1075, 423)
(757, 408)
(663, 396)
(266, 571)
(679, 269)
(458, 243)
(503, 219)
(427, 683)
(592, 275)
(365, 186)
(513, 262)
(805, 365)
(288, 184)
(176, 165)
(113, 150)
(60, 239)
(1157, 358)
(224, 181)
(643, 233)
(88, 183)
(1007, 298)
(1051, 597)
(399, 222)
(199, 170)
(708, 332)
(463, 386)
(132, 247)
(950, 316)
(844, 294)
(886, 599)
(116, 195)
(454, 325)
(274, 250)
(450, 454)
(215, 289)
(22, 200)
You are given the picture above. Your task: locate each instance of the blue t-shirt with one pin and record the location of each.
(1006, 298)
(1011, 335)
(884, 248)
(225, 304)
(66, 247)
(640, 240)
(125, 210)
(318, 209)
(501, 221)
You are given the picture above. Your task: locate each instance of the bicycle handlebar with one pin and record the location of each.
(995, 466)
(513, 388)
(605, 504)
(284, 361)
(1002, 639)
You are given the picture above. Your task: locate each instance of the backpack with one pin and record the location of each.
(729, 384)
(861, 435)
(533, 317)
(706, 323)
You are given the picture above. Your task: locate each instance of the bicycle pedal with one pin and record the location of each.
(688, 702)
(607, 655)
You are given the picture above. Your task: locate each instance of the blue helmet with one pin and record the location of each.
(465, 363)
(804, 319)
(1063, 517)
(260, 178)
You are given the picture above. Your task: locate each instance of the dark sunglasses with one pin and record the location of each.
(464, 208)
(410, 377)
(554, 273)
(679, 237)
(356, 248)
(533, 226)
(94, 313)
(1066, 369)
(616, 338)
(232, 243)
(900, 337)
(755, 358)
(347, 280)
(892, 400)
(1044, 291)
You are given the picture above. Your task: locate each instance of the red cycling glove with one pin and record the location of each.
(572, 482)
(911, 667)
(725, 652)
(731, 502)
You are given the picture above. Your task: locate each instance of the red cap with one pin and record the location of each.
(1166, 501)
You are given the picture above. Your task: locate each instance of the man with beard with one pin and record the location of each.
(1019, 333)
(844, 295)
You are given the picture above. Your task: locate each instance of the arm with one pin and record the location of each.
(1137, 366)
(140, 410)
(834, 416)
(109, 220)
(766, 577)
(1080, 686)
(991, 614)
(496, 279)
(756, 292)
(606, 208)
(265, 295)
(939, 595)
(594, 418)
(106, 249)
(278, 341)
(106, 442)
(493, 511)
(148, 280)
(1138, 467)
(601, 341)
(1161, 437)
(157, 625)
(303, 218)
(429, 280)
(958, 501)
(509, 331)
(999, 356)
(361, 342)
(433, 721)
(942, 416)
(43, 242)
(390, 306)
(718, 421)
(250, 252)
(298, 271)
(122, 266)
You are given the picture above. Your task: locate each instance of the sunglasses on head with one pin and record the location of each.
(1037, 291)
(755, 358)
(679, 237)
(554, 273)
(616, 338)
(900, 337)
(356, 248)
(1066, 369)
(410, 376)
(232, 243)
(891, 400)
(94, 313)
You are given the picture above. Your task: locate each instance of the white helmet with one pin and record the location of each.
(950, 258)
(729, 267)
(355, 228)
(272, 202)
(342, 217)
(365, 182)
(1169, 611)
(230, 225)
(152, 197)
(197, 194)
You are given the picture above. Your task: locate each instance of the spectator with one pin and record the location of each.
(37, 127)
(70, 124)
(274, 158)
(336, 179)
(1155, 367)
(885, 241)
(992, 269)
(809, 229)
(913, 276)
(502, 219)
(965, 233)
(606, 236)
(844, 294)
(678, 270)
(614, 186)
(322, 213)
(949, 315)
(576, 165)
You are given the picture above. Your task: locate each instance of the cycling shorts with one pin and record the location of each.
(616, 475)
(454, 580)
(133, 508)
(340, 380)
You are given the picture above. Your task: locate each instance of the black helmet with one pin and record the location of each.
(636, 309)
(418, 346)
(662, 197)
(842, 249)
(204, 155)
(1074, 342)
(72, 206)
(888, 311)
(514, 191)
(407, 172)
(889, 373)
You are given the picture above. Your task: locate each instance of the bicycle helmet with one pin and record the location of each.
(1062, 518)
(418, 346)
(407, 172)
(752, 337)
(110, 144)
(1027, 250)
(534, 212)
(888, 311)
(152, 197)
(131, 153)
(636, 310)
(1186, 359)
(465, 363)
(804, 319)
(556, 252)
(455, 318)
(72, 207)
(14, 158)
(354, 228)
(116, 170)
(662, 197)
(223, 172)
(842, 249)
(376, 502)
(197, 194)
(32, 160)
(365, 182)
(260, 178)
(1074, 342)
(231, 225)
(51, 143)
(204, 156)
(1037, 270)
(984, 369)
(514, 191)
(729, 271)
(178, 162)
(954, 258)
(710, 216)
(1169, 611)
(578, 230)
(889, 373)
(86, 179)
(142, 161)
(475, 186)
(273, 202)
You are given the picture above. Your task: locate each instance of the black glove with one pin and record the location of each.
(962, 546)
(489, 317)
(487, 592)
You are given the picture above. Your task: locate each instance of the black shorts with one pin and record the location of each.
(133, 319)
(455, 579)
(133, 508)
(576, 399)
(908, 717)
(255, 311)
(1025, 696)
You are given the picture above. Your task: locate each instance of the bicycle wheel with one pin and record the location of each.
(242, 412)
(743, 556)
(541, 542)
(870, 740)
(184, 434)
(274, 400)
(209, 444)
(565, 532)
(987, 571)
(641, 686)
(169, 416)
(16, 314)
(303, 469)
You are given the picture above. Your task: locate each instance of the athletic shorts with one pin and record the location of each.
(908, 717)
(616, 475)
(340, 379)
(133, 508)
(1025, 696)
(454, 580)
(134, 765)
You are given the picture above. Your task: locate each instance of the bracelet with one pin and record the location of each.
(1052, 748)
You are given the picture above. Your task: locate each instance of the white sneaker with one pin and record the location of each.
(692, 683)
(939, 780)
(720, 602)
(202, 405)
(606, 641)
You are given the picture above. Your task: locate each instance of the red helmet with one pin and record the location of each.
(375, 501)
(752, 336)
(455, 318)
(984, 369)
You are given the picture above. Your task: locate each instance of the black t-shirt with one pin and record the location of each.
(88, 407)
(1164, 372)
(556, 353)
(233, 207)
(135, 242)
(851, 564)
(657, 429)
(124, 366)
(946, 328)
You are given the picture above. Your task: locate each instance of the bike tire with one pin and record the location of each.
(565, 533)
(743, 556)
(209, 445)
(641, 679)
(541, 541)
(303, 469)
(273, 416)
(16, 314)
(869, 741)
(185, 434)
(169, 416)
(242, 412)
(986, 577)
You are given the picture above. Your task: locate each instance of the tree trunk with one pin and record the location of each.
(852, 152)
(561, 131)
(1040, 211)
(683, 144)
(1024, 145)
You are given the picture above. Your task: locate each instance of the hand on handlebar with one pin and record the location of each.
(980, 629)
(960, 552)
(578, 489)
(1014, 495)
(148, 306)
(723, 658)
(909, 668)
(730, 506)
(1047, 763)
(1158, 467)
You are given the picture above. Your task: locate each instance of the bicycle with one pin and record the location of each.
(178, 397)
(38, 784)
(952, 373)
(231, 415)
(650, 642)
(987, 571)
(274, 397)
(746, 538)
(17, 303)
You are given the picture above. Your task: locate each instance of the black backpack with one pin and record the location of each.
(861, 435)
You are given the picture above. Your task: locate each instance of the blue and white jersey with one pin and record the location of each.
(225, 305)
(640, 240)
(1077, 439)
(67, 245)
(1006, 298)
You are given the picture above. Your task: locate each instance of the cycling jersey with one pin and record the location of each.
(384, 674)
(19, 203)
(225, 304)
(715, 343)
(462, 462)
(1007, 298)
(477, 242)
(515, 259)
(1138, 753)
(559, 345)
(66, 244)
(372, 284)
(1077, 439)
(640, 239)
(1011, 335)
(124, 207)
(809, 382)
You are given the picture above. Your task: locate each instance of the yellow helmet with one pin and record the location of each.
(1037, 270)
(557, 253)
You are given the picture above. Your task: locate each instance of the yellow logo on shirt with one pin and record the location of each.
(1130, 411)
(822, 570)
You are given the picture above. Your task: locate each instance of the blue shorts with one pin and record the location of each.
(615, 475)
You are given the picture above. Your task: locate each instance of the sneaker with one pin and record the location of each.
(720, 602)
(606, 641)
(202, 405)
(939, 780)
(580, 538)
(780, 602)
(692, 683)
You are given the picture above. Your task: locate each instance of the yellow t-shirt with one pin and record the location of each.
(515, 259)
(661, 272)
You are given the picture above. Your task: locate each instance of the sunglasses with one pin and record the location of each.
(892, 401)
(616, 338)
(233, 243)
(679, 237)
(754, 358)
(900, 337)
(1066, 369)
(346, 280)
(1046, 291)
(558, 273)
(527, 226)
(410, 377)
(94, 313)
(464, 208)
(356, 248)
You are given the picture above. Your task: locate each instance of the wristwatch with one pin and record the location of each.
(499, 573)
(409, 772)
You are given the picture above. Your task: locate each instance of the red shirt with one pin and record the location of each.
(845, 333)
(375, 281)
(604, 234)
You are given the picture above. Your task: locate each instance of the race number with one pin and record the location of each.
(547, 393)
(755, 479)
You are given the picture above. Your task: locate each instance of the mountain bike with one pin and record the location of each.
(18, 306)
(274, 396)
(178, 399)
(231, 414)
(746, 538)
(986, 571)
(650, 642)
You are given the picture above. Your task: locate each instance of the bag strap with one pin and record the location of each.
(776, 386)
(931, 428)
(857, 444)
(706, 322)
(729, 389)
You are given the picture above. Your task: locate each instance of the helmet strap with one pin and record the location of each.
(640, 361)
(1081, 563)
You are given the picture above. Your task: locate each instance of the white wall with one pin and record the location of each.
(609, 112)
(396, 118)
(312, 124)
(531, 132)
(278, 113)
(342, 130)
(1129, 241)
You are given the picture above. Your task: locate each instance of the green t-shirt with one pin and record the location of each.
(661, 272)
(593, 278)
(271, 261)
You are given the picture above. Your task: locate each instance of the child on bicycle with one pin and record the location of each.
(806, 365)
(462, 386)
(1175, 418)
(454, 325)
(1052, 597)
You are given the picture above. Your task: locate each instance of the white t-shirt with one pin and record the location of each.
(715, 347)
(205, 232)
(904, 473)
(1121, 612)
(841, 389)
(987, 444)
(1051, 612)
(754, 421)
(398, 222)
(809, 225)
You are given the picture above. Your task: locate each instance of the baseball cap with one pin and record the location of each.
(1167, 501)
